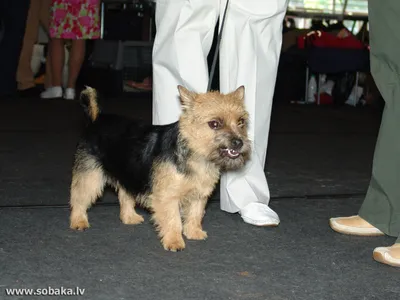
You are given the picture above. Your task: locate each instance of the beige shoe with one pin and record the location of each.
(354, 225)
(388, 255)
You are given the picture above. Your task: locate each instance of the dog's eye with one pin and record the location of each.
(214, 124)
(241, 122)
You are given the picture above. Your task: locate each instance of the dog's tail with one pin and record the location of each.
(89, 103)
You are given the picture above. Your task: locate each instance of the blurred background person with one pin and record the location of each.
(75, 21)
(39, 14)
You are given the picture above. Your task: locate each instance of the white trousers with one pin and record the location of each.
(249, 56)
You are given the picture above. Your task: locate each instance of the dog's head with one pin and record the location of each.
(215, 126)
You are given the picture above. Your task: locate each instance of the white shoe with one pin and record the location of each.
(259, 214)
(52, 93)
(69, 94)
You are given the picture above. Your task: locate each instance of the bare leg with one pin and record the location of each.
(44, 17)
(57, 56)
(76, 58)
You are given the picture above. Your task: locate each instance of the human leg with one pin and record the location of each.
(75, 62)
(44, 17)
(381, 206)
(57, 57)
(184, 36)
(25, 77)
(254, 30)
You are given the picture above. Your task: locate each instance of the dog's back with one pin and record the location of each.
(124, 149)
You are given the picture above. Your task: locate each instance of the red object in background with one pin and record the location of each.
(324, 98)
(328, 40)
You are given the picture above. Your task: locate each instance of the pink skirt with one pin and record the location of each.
(75, 19)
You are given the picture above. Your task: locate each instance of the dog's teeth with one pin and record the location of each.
(232, 153)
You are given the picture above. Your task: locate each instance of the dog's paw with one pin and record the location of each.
(132, 219)
(79, 224)
(195, 234)
(174, 244)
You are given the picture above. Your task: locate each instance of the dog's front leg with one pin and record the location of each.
(193, 216)
(167, 219)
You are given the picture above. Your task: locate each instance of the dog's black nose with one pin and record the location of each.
(236, 143)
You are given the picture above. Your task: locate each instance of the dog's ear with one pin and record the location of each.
(239, 93)
(187, 97)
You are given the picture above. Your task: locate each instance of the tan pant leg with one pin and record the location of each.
(25, 77)
(45, 22)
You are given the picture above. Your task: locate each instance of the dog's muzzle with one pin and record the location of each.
(233, 151)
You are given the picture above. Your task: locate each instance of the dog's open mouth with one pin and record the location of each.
(231, 153)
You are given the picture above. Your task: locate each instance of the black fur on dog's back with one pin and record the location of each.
(126, 150)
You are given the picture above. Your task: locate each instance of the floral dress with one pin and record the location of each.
(75, 19)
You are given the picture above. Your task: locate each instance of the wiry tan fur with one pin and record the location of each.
(178, 197)
(88, 182)
(200, 108)
(174, 192)
(91, 95)
(128, 214)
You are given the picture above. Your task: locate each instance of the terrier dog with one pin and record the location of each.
(171, 170)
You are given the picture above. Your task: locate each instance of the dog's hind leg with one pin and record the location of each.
(86, 187)
(128, 214)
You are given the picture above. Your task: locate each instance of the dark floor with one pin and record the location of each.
(319, 163)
